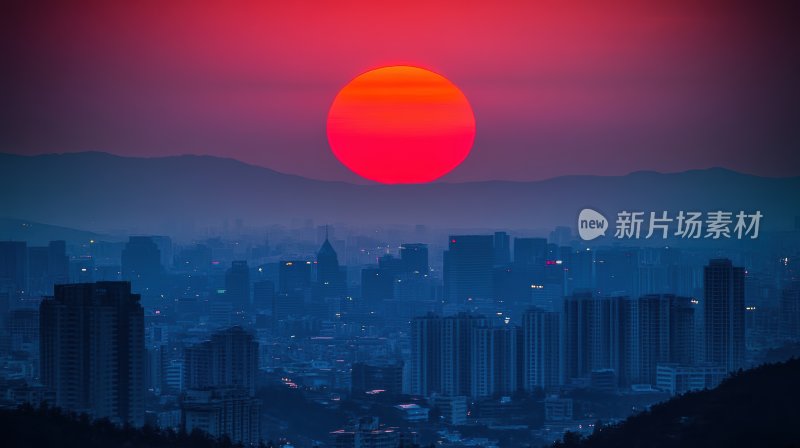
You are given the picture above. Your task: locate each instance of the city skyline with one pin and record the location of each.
(471, 330)
(359, 224)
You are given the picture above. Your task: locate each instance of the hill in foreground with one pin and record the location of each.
(754, 408)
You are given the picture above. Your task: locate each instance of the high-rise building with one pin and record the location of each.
(653, 330)
(581, 271)
(391, 264)
(92, 350)
(331, 278)
(790, 312)
(600, 333)
(377, 285)
(561, 235)
(229, 359)
(47, 266)
(530, 252)
(456, 353)
(5, 307)
(13, 267)
(294, 275)
(441, 354)
(577, 314)
(23, 331)
(654, 335)
(263, 295)
(682, 330)
(493, 361)
(723, 287)
(468, 266)
(195, 258)
(625, 340)
(141, 262)
(414, 258)
(526, 275)
(172, 376)
(414, 283)
(512, 286)
(164, 244)
(530, 255)
(230, 412)
(237, 285)
(288, 304)
(541, 349)
(426, 346)
(616, 271)
(38, 281)
(502, 248)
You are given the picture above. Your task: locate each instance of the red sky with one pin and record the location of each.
(557, 87)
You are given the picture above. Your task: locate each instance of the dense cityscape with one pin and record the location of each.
(416, 224)
(319, 335)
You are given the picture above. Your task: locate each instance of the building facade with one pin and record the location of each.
(92, 350)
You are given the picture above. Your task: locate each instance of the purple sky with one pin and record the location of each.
(558, 88)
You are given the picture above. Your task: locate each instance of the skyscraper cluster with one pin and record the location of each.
(592, 336)
(453, 336)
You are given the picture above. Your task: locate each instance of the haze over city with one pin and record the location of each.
(429, 224)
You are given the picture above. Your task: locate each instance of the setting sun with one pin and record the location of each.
(401, 124)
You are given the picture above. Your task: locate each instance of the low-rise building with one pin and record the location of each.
(222, 411)
(678, 379)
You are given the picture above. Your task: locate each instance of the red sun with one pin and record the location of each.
(401, 125)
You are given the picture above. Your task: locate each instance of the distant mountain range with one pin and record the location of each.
(103, 192)
(35, 233)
